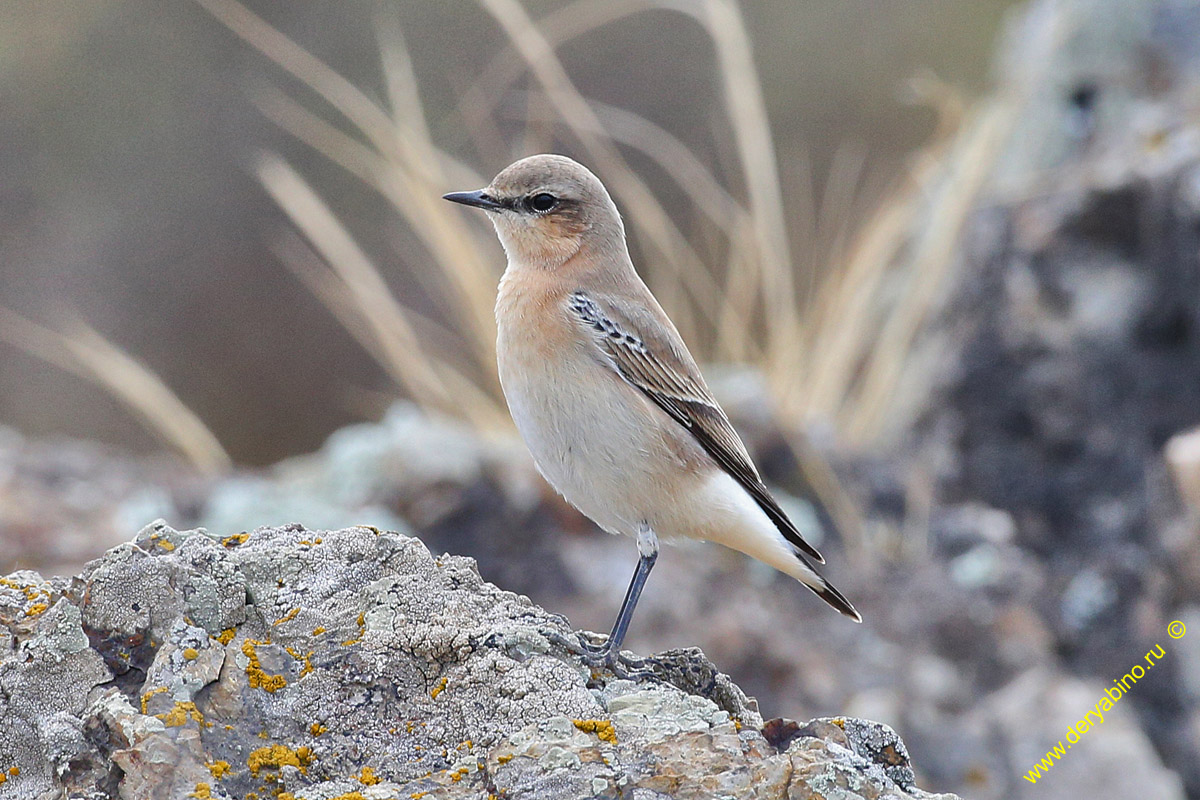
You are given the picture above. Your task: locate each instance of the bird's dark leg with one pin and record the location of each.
(647, 543)
(608, 654)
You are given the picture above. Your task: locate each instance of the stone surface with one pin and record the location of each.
(354, 664)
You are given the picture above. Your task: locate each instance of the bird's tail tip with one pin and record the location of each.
(838, 600)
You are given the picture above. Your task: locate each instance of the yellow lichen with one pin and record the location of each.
(318, 631)
(276, 756)
(441, 687)
(146, 697)
(316, 729)
(306, 658)
(317, 540)
(219, 769)
(368, 777)
(179, 714)
(602, 728)
(362, 629)
(235, 540)
(287, 617)
(203, 791)
(226, 636)
(35, 609)
(505, 759)
(191, 653)
(254, 671)
(417, 795)
(165, 545)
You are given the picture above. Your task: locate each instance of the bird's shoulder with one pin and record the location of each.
(634, 329)
(639, 340)
(643, 346)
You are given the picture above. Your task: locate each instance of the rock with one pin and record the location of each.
(1113, 758)
(353, 663)
(1183, 457)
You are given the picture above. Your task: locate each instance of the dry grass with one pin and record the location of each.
(84, 352)
(833, 351)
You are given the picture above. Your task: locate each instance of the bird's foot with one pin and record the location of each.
(600, 656)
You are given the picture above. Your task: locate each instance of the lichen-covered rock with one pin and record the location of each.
(315, 665)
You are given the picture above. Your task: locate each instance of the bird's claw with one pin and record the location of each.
(602, 657)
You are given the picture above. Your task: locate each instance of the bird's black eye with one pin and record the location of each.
(542, 203)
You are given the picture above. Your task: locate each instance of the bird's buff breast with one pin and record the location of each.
(597, 440)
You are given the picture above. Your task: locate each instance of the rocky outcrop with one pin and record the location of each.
(354, 664)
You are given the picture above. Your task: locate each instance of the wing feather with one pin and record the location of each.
(664, 372)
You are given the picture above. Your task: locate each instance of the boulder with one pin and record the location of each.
(314, 665)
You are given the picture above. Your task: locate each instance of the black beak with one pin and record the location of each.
(477, 199)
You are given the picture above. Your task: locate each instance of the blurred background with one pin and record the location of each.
(940, 258)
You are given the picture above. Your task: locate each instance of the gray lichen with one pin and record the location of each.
(313, 665)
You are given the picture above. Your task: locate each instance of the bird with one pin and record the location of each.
(606, 395)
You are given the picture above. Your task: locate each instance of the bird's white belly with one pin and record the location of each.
(593, 437)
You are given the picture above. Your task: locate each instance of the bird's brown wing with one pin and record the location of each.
(654, 360)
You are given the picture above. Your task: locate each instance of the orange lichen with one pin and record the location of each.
(362, 629)
(35, 609)
(219, 769)
(277, 756)
(146, 697)
(178, 716)
(505, 759)
(235, 540)
(368, 777)
(602, 728)
(191, 653)
(226, 636)
(287, 617)
(254, 671)
(203, 792)
(306, 658)
(441, 687)
(316, 729)
(318, 631)
(417, 795)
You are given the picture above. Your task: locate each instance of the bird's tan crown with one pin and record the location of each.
(557, 175)
(549, 208)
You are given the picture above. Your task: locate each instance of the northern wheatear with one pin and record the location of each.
(606, 394)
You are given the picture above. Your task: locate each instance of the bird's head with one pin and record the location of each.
(546, 209)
